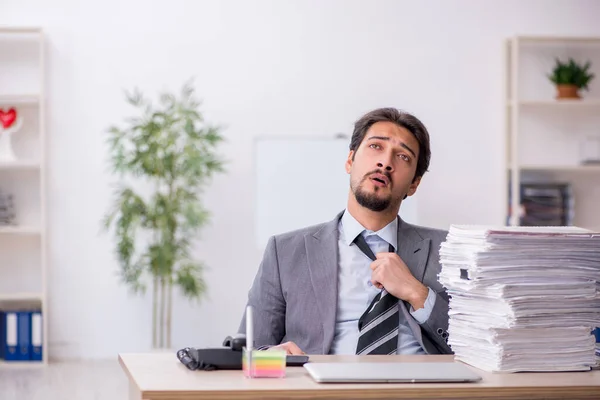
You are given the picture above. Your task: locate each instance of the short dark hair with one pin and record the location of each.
(400, 118)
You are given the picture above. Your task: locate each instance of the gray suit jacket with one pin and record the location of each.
(294, 294)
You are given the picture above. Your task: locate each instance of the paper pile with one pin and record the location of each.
(522, 298)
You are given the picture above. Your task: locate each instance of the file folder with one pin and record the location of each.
(24, 335)
(2, 334)
(10, 342)
(36, 336)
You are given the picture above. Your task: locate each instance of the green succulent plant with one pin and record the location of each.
(571, 73)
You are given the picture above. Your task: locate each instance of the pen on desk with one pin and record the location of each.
(249, 328)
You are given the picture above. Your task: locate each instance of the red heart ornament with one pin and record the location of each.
(8, 117)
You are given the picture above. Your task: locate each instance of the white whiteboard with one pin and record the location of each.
(301, 181)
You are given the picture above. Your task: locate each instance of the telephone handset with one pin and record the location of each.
(227, 357)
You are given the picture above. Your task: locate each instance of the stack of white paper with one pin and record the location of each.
(522, 298)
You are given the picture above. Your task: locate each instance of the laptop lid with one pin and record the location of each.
(390, 372)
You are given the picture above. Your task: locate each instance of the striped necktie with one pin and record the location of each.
(378, 326)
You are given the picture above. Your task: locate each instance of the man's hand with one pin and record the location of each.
(391, 272)
(289, 347)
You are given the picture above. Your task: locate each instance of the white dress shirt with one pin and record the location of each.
(356, 290)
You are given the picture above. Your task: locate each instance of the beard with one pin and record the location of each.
(371, 200)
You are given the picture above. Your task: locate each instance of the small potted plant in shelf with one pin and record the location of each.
(570, 77)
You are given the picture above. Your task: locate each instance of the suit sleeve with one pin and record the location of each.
(436, 326)
(267, 300)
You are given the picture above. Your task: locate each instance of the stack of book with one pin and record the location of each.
(546, 204)
(522, 298)
(7, 209)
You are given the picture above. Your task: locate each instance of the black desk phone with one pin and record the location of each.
(227, 357)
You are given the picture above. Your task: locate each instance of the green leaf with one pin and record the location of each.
(189, 279)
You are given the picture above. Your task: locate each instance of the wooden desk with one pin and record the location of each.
(162, 376)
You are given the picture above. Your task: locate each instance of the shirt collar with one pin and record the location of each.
(352, 228)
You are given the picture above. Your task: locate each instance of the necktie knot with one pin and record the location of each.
(373, 238)
(367, 245)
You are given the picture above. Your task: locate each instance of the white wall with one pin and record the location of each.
(263, 68)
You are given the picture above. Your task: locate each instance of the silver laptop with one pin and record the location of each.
(390, 372)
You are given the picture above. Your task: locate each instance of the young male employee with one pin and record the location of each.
(366, 281)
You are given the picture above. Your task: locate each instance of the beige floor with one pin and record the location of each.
(94, 380)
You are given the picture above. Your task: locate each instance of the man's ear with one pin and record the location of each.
(413, 186)
(349, 161)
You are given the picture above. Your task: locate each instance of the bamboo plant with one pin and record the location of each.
(164, 156)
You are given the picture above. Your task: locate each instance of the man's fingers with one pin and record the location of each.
(377, 284)
(293, 349)
(375, 280)
(375, 264)
(384, 254)
(290, 348)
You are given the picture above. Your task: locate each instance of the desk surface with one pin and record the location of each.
(162, 376)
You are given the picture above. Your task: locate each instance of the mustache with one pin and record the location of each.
(378, 171)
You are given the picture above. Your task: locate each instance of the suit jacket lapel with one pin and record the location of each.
(413, 250)
(322, 256)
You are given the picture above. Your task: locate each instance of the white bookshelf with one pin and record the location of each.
(545, 136)
(23, 245)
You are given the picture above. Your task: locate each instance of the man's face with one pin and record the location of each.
(384, 166)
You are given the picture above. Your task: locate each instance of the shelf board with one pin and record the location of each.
(21, 364)
(561, 168)
(575, 103)
(21, 297)
(20, 29)
(559, 39)
(19, 99)
(20, 230)
(19, 164)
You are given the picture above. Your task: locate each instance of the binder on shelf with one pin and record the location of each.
(24, 332)
(36, 336)
(2, 334)
(544, 204)
(10, 337)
